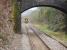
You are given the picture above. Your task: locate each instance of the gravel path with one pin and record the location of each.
(21, 41)
(25, 39)
(16, 44)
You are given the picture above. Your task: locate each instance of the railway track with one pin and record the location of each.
(52, 43)
(40, 41)
(35, 41)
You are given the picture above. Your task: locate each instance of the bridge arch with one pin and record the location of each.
(47, 3)
(27, 4)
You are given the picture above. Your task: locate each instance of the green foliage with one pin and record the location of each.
(16, 15)
(59, 35)
(53, 17)
(56, 20)
(52, 22)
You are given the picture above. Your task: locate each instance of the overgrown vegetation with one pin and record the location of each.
(9, 14)
(6, 24)
(53, 17)
(58, 35)
(16, 15)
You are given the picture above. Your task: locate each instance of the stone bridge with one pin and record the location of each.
(27, 4)
(58, 4)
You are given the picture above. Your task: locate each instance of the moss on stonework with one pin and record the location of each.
(16, 13)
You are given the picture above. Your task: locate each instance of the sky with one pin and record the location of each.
(29, 11)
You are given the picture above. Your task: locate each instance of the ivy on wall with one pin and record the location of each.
(16, 15)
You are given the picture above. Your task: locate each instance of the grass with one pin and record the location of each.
(58, 35)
